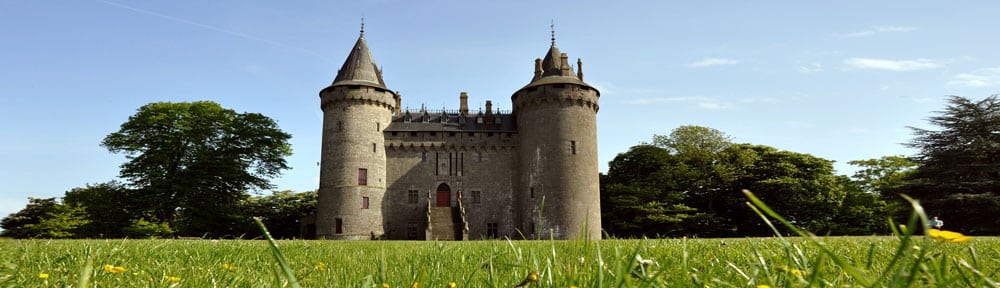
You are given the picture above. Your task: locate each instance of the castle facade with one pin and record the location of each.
(529, 173)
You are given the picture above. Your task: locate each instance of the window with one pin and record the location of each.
(362, 177)
(532, 192)
(411, 231)
(492, 231)
(364, 202)
(423, 156)
(572, 147)
(476, 197)
(340, 226)
(374, 148)
(378, 126)
(412, 197)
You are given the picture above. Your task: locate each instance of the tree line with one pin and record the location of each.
(192, 168)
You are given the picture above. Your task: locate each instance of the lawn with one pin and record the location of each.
(750, 262)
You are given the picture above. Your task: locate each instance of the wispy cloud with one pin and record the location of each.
(709, 62)
(702, 102)
(876, 30)
(979, 78)
(892, 65)
(811, 68)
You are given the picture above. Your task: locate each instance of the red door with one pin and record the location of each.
(443, 196)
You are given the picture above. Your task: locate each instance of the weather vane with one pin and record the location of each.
(552, 26)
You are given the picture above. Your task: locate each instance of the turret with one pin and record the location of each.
(357, 106)
(557, 120)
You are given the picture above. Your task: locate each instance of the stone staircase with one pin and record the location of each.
(443, 226)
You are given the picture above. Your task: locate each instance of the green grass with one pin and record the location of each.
(902, 260)
(793, 262)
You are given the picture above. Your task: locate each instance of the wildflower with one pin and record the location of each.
(532, 278)
(321, 266)
(228, 267)
(452, 285)
(43, 275)
(385, 285)
(172, 278)
(415, 284)
(763, 286)
(797, 272)
(113, 269)
(948, 236)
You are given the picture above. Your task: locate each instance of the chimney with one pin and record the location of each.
(464, 104)
(538, 69)
(565, 64)
(489, 111)
(579, 69)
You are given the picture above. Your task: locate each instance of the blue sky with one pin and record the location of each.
(839, 80)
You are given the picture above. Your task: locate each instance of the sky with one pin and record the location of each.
(839, 80)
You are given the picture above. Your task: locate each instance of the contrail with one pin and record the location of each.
(217, 29)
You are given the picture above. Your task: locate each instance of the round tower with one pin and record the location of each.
(356, 108)
(559, 195)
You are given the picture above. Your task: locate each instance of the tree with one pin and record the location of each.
(959, 166)
(642, 198)
(198, 158)
(18, 225)
(884, 177)
(111, 207)
(697, 149)
(45, 218)
(801, 187)
(282, 211)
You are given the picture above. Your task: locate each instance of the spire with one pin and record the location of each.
(552, 26)
(555, 67)
(362, 25)
(360, 67)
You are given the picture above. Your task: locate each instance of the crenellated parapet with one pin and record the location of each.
(561, 95)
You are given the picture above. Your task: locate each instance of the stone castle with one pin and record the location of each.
(388, 173)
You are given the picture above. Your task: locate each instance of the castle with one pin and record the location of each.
(387, 173)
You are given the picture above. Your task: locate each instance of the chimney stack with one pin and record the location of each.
(489, 111)
(464, 104)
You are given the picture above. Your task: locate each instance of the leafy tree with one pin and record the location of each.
(282, 211)
(697, 149)
(884, 177)
(641, 196)
(198, 158)
(140, 228)
(958, 176)
(18, 225)
(861, 212)
(111, 207)
(801, 187)
(44, 218)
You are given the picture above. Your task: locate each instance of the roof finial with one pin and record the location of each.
(362, 24)
(552, 26)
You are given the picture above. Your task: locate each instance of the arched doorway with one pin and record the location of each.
(443, 195)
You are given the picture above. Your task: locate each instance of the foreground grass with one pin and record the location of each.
(789, 262)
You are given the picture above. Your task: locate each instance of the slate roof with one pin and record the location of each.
(451, 121)
(360, 68)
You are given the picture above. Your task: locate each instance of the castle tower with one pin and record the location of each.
(357, 107)
(559, 194)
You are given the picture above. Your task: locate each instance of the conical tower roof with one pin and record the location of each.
(555, 69)
(360, 68)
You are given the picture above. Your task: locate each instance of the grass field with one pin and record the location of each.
(938, 259)
(793, 262)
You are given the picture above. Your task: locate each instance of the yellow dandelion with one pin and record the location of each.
(947, 236)
(798, 272)
(415, 284)
(321, 266)
(385, 285)
(532, 278)
(172, 278)
(228, 267)
(763, 286)
(113, 269)
(43, 275)
(452, 285)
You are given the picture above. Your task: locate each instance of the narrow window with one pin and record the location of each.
(412, 197)
(491, 231)
(364, 202)
(340, 226)
(378, 126)
(374, 148)
(411, 231)
(362, 176)
(532, 192)
(476, 196)
(572, 147)
(423, 156)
